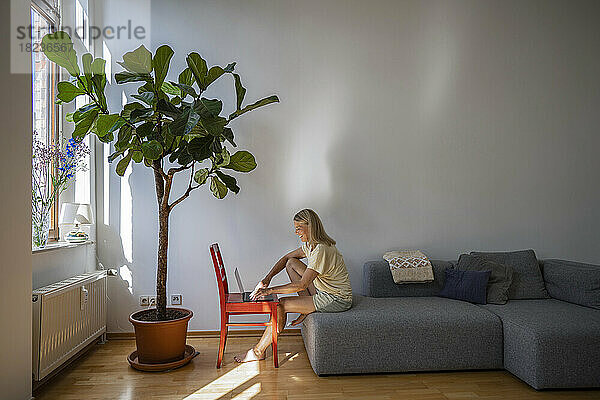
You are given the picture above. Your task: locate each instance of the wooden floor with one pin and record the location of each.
(104, 373)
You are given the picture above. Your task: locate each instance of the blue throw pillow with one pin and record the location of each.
(465, 285)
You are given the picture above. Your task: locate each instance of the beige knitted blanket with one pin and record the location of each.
(409, 266)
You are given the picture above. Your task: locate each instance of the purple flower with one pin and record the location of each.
(67, 157)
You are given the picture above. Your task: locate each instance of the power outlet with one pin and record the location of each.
(152, 302)
(176, 299)
(144, 301)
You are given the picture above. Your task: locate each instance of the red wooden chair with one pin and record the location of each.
(232, 304)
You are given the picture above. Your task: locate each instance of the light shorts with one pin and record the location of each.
(327, 302)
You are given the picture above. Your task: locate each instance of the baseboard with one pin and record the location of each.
(209, 334)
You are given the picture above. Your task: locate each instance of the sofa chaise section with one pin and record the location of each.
(551, 343)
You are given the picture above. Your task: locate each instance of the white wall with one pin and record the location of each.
(15, 213)
(446, 126)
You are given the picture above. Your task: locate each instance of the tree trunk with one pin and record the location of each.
(162, 196)
(161, 273)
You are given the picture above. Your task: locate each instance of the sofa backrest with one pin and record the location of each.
(574, 282)
(378, 281)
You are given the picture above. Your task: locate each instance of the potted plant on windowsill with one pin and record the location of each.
(170, 128)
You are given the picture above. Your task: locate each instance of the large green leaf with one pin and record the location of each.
(125, 76)
(146, 97)
(192, 121)
(160, 63)
(208, 108)
(229, 181)
(124, 137)
(123, 164)
(180, 122)
(228, 134)
(116, 154)
(83, 111)
(213, 125)
(185, 89)
(241, 161)
(216, 146)
(199, 148)
(106, 123)
(213, 74)
(145, 129)
(108, 138)
(198, 67)
(86, 61)
(98, 84)
(185, 158)
(67, 91)
(259, 103)
(170, 88)
(58, 47)
(99, 67)
(129, 108)
(221, 159)
(140, 114)
(137, 156)
(168, 109)
(201, 176)
(152, 150)
(218, 188)
(240, 91)
(186, 77)
(84, 125)
(138, 61)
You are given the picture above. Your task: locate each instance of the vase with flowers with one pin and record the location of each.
(53, 169)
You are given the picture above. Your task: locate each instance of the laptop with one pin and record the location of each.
(246, 295)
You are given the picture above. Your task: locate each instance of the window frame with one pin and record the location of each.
(54, 112)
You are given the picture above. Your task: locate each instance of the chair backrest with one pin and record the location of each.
(220, 272)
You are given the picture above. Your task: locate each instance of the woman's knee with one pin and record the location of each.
(295, 265)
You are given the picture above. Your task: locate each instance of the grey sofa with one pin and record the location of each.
(548, 343)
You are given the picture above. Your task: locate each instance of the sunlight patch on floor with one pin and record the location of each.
(249, 393)
(229, 381)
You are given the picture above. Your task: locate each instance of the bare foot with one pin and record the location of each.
(250, 355)
(299, 319)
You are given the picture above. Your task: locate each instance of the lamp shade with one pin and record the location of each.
(68, 212)
(84, 214)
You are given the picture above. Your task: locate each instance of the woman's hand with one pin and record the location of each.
(261, 285)
(260, 292)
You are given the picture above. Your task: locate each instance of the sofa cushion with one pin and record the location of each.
(403, 334)
(465, 285)
(378, 281)
(573, 282)
(527, 281)
(551, 343)
(500, 277)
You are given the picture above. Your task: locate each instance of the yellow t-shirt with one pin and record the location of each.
(333, 276)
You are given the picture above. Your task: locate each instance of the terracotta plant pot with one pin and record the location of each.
(160, 342)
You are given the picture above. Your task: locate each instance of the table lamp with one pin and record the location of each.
(77, 214)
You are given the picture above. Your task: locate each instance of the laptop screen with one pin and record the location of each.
(239, 281)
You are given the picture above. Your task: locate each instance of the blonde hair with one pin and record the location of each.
(316, 232)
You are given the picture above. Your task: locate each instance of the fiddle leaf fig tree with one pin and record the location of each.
(170, 127)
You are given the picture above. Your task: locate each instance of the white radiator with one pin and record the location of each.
(67, 316)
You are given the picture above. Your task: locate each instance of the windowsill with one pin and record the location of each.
(60, 245)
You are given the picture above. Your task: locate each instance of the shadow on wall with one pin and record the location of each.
(120, 287)
(116, 250)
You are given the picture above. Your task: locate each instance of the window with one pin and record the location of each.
(44, 80)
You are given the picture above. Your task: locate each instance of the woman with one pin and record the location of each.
(323, 285)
